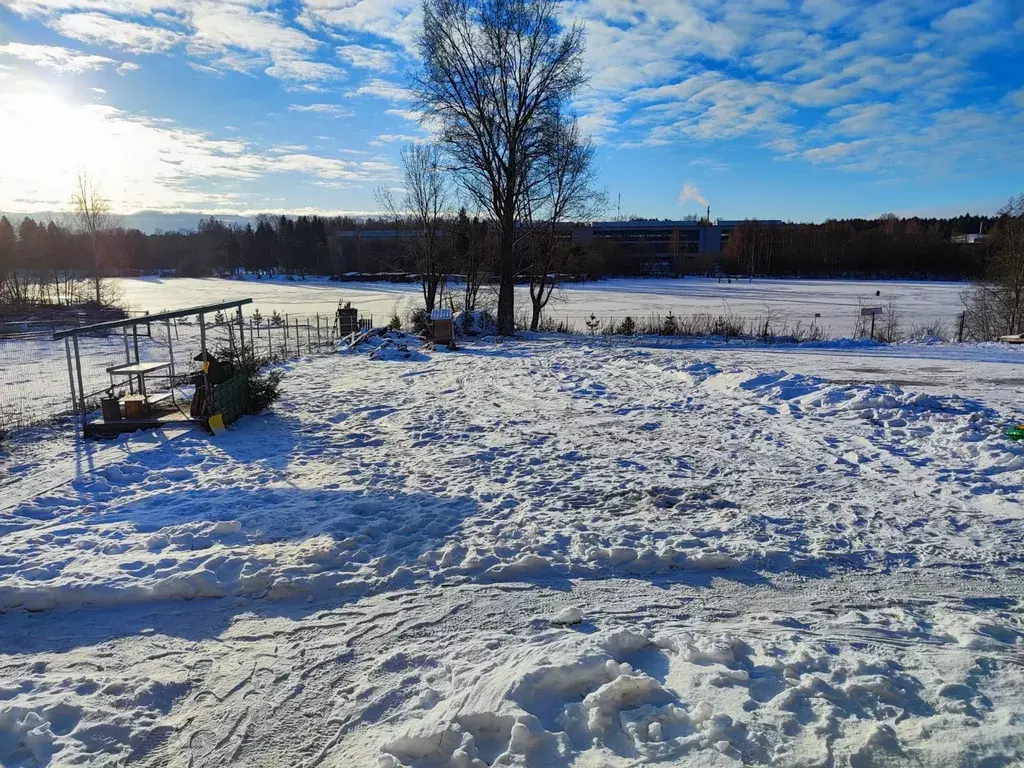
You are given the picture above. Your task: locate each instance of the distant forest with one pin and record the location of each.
(885, 247)
(48, 258)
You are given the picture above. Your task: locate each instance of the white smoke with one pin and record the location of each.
(690, 192)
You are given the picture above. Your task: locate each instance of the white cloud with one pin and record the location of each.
(55, 57)
(411, 115)
(120, 7)
(302, 69)
(803, 76)
(361, 57)
(333, 110)
(237, 37)
(709, 105)
(97, 29)
(331, 168)
(690, 193)
(861, 119)
(711, 164)
(128, 66)
(979, 14)
(397, 21)
(382, 89)
(392, 138)
(832, 152)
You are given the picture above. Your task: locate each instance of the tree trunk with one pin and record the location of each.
(538, 297)
(429, 294)
(507, 282)
(535, 320)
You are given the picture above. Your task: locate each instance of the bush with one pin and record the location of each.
(551, 325)
(479, 322)
(419, 321)
(263, 386)
(627, 327)
(395, 323)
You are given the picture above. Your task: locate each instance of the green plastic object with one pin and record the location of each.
(1016, 433)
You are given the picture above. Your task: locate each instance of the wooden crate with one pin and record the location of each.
(136, 407)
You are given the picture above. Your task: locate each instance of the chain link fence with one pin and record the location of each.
(36, 379)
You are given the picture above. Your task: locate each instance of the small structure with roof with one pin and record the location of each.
(441, 330)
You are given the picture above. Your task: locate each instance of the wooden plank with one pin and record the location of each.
(134, 369)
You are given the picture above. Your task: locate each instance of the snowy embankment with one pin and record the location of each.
(543, 553)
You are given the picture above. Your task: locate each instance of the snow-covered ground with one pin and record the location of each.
(837, 302)
(542, 553)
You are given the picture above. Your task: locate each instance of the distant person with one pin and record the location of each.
(878, 293)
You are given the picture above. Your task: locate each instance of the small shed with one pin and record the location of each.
(441, 330)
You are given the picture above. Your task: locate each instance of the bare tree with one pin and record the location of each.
(423, 213)
(92, 215)
(995, 305)
(495, 73)
(564, 192)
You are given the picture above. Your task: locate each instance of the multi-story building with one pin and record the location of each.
(662, 241)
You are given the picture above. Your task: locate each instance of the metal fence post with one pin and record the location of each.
(71, 375)
(298, 344)
(135, 338)
(206, 366)
(318, 340)
(960, 335)
(128, 360)
(81, 389)
(170, 353)
(270, 341)
(241, 333)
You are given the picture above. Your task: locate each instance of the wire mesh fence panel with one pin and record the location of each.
(36, 383)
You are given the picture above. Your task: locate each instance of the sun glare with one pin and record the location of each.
(134, 162)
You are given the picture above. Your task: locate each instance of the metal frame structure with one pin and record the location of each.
(133, 367)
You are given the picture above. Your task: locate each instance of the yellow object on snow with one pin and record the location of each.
(217, 424)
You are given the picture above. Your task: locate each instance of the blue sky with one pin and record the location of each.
(790, 109)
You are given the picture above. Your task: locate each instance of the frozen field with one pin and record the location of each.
(545, 553)
(791, 301)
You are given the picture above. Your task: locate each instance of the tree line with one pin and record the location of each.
(52, 262)
(885, 247)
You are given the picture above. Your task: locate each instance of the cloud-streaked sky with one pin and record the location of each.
(791, 109)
